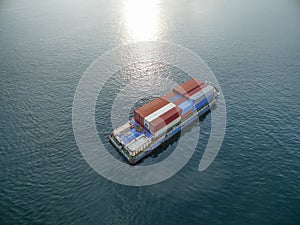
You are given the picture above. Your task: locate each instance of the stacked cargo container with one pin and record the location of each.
(157, 115)
(195, 90)
(162, 123)
(187, 108)
(147, 109)
(161, 118)
(188, 86)
(167, 111)
(202, 97)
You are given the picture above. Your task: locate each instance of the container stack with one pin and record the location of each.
(163, 119)
(183, 103)
(147, 109)
(159, 115)
(201, 97)
(188, 86)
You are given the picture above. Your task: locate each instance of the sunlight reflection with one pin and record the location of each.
(141, 20)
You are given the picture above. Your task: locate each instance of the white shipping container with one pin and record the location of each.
(201, 95)
(157, 113)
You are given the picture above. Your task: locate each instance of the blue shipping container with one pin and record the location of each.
(186, 106)
(202, 103)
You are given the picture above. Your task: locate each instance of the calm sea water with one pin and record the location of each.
(253, 47)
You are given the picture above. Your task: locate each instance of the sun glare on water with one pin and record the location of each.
(141, 20)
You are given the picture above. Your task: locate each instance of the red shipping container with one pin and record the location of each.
(147, 109)
(186, 114)
(188, 86)
(165, 119)
(195, 90)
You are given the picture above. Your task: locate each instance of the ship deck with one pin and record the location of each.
(130, 133)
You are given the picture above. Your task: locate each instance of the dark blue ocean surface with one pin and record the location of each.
(253, 47)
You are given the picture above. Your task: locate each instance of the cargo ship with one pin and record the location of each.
(160, 119)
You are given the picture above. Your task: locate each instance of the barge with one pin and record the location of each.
(159, 120)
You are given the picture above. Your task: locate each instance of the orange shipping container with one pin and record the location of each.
(188, 86)
(147, 109)
(195, 90)
(165, 119)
